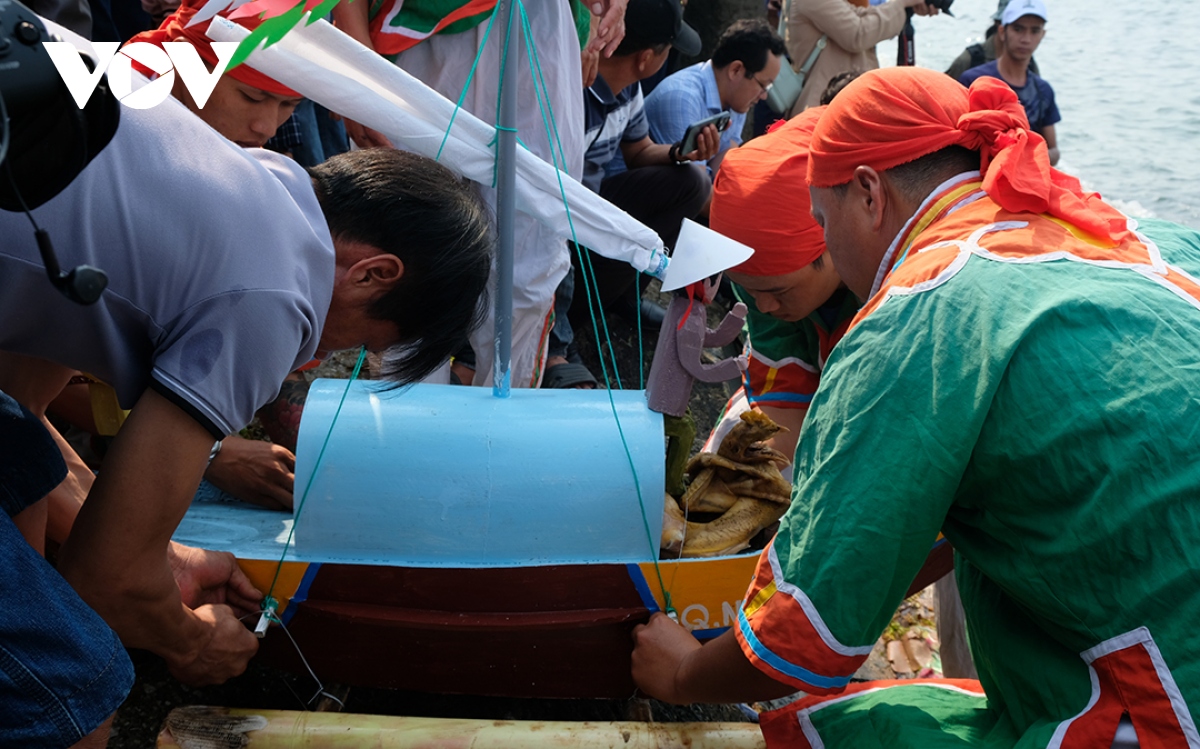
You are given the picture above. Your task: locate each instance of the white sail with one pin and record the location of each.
(329, 67)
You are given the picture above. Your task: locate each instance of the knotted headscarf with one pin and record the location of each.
(890, 117)
(760, 198)
(175, 28)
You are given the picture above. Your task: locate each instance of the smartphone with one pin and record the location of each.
(720, 119)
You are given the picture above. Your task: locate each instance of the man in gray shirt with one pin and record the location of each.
(228, 268)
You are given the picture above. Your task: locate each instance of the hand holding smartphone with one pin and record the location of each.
(720, 120)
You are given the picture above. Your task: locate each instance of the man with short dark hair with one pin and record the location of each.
(228, 268)
(742, 69)
(1021, 379)
(1022, 28)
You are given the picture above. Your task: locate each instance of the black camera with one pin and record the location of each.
(50, 139)
(942, 5)
(46, 140)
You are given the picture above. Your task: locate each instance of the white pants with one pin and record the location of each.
(541, 259)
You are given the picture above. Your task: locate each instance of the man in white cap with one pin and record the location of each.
(980, 52)
(1022, 27)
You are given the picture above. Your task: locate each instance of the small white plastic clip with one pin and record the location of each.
(264, 620)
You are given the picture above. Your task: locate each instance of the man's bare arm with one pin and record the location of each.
(1051, 143)
(116, 556)
(670, 665)
(354, 20)
(785, 441)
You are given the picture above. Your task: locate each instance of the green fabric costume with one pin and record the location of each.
(1034, 396)
(786, 358)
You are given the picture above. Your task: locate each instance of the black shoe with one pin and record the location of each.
(652, 315)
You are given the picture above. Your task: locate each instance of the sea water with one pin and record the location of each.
(1125, 80)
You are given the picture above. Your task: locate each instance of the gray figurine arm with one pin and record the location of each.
(689, 350)
(729, 328)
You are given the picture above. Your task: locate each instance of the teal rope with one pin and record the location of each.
(470, 77)
(536, 65)
(269, 601)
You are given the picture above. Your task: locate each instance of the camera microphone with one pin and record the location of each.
(45, 139)
(83, 284)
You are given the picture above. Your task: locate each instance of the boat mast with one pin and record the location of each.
(506, 196)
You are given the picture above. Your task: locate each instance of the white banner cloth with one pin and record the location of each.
(337, 72)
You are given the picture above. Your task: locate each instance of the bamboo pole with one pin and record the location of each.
(212, 727)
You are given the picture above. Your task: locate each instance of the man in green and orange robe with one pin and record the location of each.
(1023, 378)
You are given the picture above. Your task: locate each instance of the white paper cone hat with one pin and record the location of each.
(699, 253)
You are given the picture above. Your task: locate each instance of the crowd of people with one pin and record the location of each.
(957, 338)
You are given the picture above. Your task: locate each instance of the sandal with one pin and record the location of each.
(569, 375)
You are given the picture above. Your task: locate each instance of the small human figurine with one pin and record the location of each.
(677, 364)
(683, 336)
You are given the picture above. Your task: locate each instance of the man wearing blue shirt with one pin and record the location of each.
(1022, 27)
(742, 69)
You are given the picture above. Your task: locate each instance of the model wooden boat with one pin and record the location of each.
(456, 542)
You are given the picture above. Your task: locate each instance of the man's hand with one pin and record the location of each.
(120, 560)
(212, 577)
(255, 471)
(659, 649)
(225, 648)
(708, 142)
(589, 60)
(670, 665)
(922, 8)
(365, 137)
(611, 29)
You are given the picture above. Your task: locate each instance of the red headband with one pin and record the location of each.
(890, 117)
(760, 198)
(175, 28)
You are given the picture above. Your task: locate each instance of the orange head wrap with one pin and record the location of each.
(760, 198)
(175, 28)
(890, 117)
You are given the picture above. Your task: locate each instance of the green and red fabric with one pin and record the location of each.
(786, 358)
(397, 25)
(180, 26)
(1028, 388)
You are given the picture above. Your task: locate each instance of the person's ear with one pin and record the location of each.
(737, 69)
(867, 189)
(377, 273)
(645, 59)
